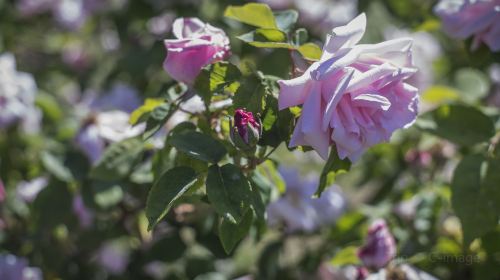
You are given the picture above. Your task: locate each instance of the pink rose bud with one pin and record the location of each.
(197, 45)
(481, 19)
(355, 96)
(246, 131)
(380, 247)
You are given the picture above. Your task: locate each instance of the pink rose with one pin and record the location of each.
(355, 96)
(380, 247)
(197, 45)
(478, 18)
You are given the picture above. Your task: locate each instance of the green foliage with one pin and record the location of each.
(229, 192)
(274, 29)
(118, 160)
(461, 124)
(473, 198)
(259, 15)
(230, 234)
(166, 190)
(149, 105)
(333, 167)
(215, 78)
(250, 95)
(198, 145)
(56, 167)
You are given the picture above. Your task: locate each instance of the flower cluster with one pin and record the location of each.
(355, 96)
(17, 97)
(465, 18)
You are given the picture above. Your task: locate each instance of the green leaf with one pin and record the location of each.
(277, 125)
(300, 36)
(461, 124)
(198, 145)
(230, 234)
(472, 84)
(470, 200)
(286, 19)
(229, 192)
(250, 95)
(170, 186)
(118, 160)
(310, 51)
(149, 105)
(52, 206)
(491, 183)
(439, 95)
(260, 41)
(157, 118)
(255, 14)
(346, 256)
(271, 35)
(49, 106)
(56, 167)
(333, 167)
(106, 194)
(215, 78)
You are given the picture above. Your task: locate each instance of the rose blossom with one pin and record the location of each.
(380, 246)
(478, 18)
(197, 45)
(355, 95)
(425, 51)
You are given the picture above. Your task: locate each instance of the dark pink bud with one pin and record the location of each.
(242, 119)
(380, 247)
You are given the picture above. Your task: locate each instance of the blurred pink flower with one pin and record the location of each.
(197, 45)
(16, 268)
(2, 191)
(106, 119)
(297, 211)
(85, 216)
(114, 256)
(27, 191)
(17, 97)
(104, 128)
(478, 18)
(160, 25)
(355, 96)
(380, 247)
(70, 14)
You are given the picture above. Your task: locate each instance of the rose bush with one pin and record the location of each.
(220, 139)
